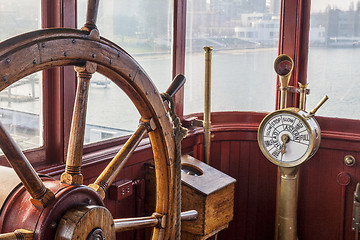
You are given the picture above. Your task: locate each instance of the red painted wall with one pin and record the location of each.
(325, 206)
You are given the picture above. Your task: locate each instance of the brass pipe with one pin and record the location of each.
(287, 216)
(283, 66)
(302, 100)
(207, 105)
(287, 190)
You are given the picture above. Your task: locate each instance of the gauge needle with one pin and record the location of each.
(285, 139)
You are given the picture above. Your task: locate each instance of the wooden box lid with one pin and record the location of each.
(210, 180)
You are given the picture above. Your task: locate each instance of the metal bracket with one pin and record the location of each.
(356, 211)
(294, 89)
(192, 122)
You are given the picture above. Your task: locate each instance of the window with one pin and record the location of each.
(21, 103)
(334, 51)
(243, 55)
(147, 36)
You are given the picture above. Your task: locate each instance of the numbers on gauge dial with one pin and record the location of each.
(286, 138)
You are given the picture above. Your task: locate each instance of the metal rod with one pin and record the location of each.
(28, 176)
(322, 101)
(72, 174)
(91, 14)
(302, 100)
(285, 218)
(207, 105)
(127, 224)
(20, 234)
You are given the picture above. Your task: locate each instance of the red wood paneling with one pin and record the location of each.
(325, 207)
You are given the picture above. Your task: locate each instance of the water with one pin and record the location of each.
(335, 72)
(242, 80)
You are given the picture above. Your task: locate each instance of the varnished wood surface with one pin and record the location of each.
(20, 234)
(237, 154)
(127, 224)
(43, 49)
(72, 174)
(26, 173)
(210, 181)
(80, 223)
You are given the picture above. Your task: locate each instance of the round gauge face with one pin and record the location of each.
(285, 138)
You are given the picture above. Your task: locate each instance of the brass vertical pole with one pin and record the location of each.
(287, 215)
(287, 180)
(207, 105)
(302, 100)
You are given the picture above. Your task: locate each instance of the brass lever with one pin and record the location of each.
(322, 101)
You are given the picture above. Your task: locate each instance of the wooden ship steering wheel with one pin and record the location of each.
(43, 208)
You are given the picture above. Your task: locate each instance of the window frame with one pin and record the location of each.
(59, 86)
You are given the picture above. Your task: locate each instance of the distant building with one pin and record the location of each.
(335, 27)
(259, 28)
(275, 6)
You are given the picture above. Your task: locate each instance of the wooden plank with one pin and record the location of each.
(225, 157)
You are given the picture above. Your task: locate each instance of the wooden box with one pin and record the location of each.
(211, 193)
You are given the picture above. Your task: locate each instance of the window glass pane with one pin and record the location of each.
(144, 29)
(334, 52)
(244, 35)
(110, 112)
(21, 103)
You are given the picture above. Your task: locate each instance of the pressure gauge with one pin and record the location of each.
(289, 137)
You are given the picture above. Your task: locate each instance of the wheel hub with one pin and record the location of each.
(96, 234)
(92, 221)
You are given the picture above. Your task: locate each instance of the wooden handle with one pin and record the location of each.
(91, 15)
(176, 84)
(127, 224)
(72, 174)
(28, 176)
(109, 174)
(20, 234)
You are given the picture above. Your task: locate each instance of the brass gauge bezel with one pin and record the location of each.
(312, 128)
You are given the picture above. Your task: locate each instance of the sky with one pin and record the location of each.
(320, 5)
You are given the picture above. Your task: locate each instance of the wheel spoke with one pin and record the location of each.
(127, 224)
(113, 168)
(28, 176)
(91, 15)
(17, 235)
(72, 174)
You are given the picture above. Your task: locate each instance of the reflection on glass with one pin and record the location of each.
(21, 103)
(244, 35)
(333, 67)
(110, 112)
(144, 29)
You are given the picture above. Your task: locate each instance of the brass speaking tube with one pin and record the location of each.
(283, 66)
(207, 104)
(287, 189)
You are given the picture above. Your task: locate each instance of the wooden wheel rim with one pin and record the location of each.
(39, 50)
